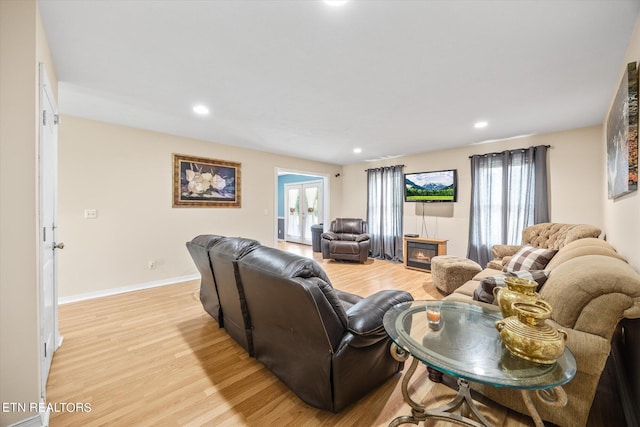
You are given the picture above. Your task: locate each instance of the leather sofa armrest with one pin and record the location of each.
(347, 297)
(362, 238)
(365, 317)
(329, 235)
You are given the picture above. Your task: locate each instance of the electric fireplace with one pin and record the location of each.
(418, 252)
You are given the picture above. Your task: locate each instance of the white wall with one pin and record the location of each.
(22, 45)
(126, 174)
(575, 177)
(622, 215)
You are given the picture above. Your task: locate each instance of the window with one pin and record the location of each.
(508, 193)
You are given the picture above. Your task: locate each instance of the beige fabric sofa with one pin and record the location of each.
(591, 288)
(548, 235)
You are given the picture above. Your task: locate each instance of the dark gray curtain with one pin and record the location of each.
(508, 193)
(385, 192)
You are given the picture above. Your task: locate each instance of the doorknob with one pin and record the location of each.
(58, 245)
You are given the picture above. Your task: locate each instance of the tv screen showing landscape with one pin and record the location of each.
(436, 186)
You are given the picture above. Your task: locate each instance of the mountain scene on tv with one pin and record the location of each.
(430, 187)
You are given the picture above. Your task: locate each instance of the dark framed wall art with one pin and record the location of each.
(622, 136)
(205, 183)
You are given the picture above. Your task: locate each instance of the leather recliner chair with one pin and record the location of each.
(346, 239)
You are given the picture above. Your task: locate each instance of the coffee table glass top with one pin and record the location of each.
(465, 343)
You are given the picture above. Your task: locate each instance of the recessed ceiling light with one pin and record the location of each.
(201, 110)
(335, 3)
(480, 125)
(357, 150)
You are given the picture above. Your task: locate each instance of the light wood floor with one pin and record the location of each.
(155, 358)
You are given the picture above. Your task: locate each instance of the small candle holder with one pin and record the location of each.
(433, 317)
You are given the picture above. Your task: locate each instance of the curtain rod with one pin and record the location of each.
(515, 149)
(383, 167)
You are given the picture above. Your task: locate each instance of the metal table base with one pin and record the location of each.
(462, 405)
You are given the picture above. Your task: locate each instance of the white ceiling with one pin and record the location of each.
(313, 81)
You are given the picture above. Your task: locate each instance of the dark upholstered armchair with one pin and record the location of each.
(347, 239)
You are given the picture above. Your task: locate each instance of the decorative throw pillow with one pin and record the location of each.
(529, 258)
(484, 291)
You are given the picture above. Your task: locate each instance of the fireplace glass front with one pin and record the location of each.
(419, 254)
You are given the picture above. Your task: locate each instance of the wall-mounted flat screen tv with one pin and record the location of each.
(435, 186)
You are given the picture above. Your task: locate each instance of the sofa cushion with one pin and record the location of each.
(466, 290)
(530, 258)
(344, 247)
(487, 272)
(583, 247)
(484, 290)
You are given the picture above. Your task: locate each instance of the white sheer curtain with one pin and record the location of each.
(385, 188)
(508, 193)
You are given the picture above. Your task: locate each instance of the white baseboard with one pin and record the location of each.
(131, 288)
(34, 421)
(39, 420)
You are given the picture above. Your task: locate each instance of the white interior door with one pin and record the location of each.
(48, 178)
(303, 208)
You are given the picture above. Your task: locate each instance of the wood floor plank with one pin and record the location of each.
(155, 358)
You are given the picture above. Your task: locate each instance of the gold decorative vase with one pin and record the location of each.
(527, 335)
(517, 290)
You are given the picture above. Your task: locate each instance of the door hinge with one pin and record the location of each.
(44, 234)
(45, 350)
(56, 118)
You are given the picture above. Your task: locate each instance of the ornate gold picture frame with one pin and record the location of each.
(199, 182)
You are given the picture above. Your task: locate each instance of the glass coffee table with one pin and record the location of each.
(461, 340)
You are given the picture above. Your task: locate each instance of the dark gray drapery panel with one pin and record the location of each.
(385, 192)
(541, 201)
(508, 193)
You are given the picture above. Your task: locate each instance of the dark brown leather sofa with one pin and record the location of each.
(223, 254)
(327, 345)
(199, 250)
(346, 239)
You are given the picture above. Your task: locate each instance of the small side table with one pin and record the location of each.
(465, 344)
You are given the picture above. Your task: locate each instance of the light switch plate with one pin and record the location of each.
(90, 214)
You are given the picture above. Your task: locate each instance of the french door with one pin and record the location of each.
(303, 208)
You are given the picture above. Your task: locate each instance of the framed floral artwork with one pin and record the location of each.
(205, 183)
